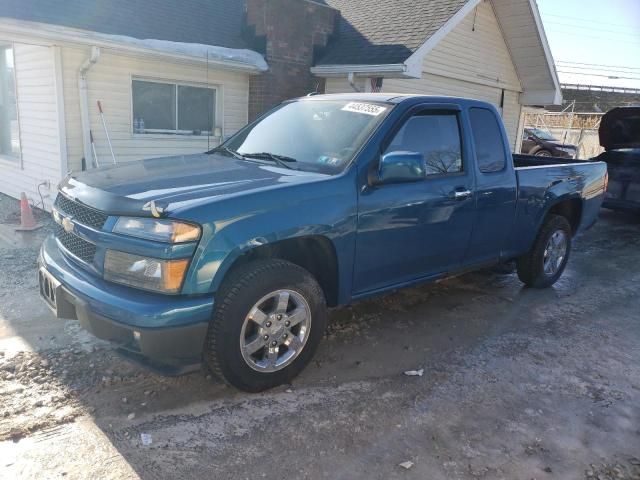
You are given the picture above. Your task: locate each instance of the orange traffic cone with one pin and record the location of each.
(27, 222)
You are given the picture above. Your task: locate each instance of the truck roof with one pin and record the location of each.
(389, 97)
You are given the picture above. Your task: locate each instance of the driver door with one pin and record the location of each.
(409, 231)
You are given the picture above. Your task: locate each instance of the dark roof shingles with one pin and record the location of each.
(385, 31)
(370, 31)
(210, 22)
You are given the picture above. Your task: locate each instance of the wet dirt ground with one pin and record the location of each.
(517, 384)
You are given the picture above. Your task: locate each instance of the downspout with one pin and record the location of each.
(84, 105)
(351, 78)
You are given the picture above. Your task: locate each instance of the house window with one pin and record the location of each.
(171, 108)
(9, 129)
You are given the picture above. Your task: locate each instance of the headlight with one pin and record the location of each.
(143, 272)
(56, 215)
(159, 230)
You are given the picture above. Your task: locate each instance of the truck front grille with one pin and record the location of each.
(80, 213)
(77, 246)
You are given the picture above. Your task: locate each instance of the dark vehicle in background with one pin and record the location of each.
(542, 144)
(620, 137)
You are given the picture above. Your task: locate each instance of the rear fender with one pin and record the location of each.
(569, 206)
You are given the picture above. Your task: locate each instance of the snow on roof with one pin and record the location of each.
(211, 53)
(231, 57)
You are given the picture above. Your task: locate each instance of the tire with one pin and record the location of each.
(531, 266)
(232, 325)
(543, 153)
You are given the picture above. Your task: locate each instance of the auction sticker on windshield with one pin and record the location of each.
(366, 108)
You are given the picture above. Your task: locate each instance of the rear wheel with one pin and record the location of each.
(547, 259)
(269, 319)
(543, 153)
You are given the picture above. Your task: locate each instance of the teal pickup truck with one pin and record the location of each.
(231, 257)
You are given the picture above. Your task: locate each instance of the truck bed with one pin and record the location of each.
(523, 161)
(541, 179)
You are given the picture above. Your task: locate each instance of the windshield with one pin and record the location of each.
(542, 134)
(313, 135)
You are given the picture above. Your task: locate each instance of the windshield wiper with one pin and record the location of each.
(227, 150)
(281, 160)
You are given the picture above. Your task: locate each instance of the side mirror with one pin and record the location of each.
(400, 167)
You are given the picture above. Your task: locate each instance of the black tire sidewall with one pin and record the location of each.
(531, 267)
(244, 288)
(543, 153)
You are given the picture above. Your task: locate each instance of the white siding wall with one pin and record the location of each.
(471, 61)
(341, 85)
(110, 82)
(39, 128)
(475, 51)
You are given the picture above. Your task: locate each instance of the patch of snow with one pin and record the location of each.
(212, 53)
(197, 50)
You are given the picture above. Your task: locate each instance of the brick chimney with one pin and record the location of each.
(291, 34)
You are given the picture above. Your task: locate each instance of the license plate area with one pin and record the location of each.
(48, 288)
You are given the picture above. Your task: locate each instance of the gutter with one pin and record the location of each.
(389, 70)
(84, 104)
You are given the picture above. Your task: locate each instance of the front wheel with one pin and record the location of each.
(547, 259)
(269, 319)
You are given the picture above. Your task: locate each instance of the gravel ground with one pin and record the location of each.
(517, 384)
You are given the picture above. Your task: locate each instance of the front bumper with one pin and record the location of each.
(167, 329)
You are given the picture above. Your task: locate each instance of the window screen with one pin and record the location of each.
(437, 137)
(172, 108)
(9, 129)
(487, 136)
(195, 108)
(154, 104)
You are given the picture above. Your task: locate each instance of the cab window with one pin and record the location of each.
(487, 136)
(435, 135)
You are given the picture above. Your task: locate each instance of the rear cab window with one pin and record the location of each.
(487, 137)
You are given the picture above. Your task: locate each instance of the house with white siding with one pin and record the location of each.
(491, 50)
(170, 81)
(178, 77)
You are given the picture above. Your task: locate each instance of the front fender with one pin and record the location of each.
(326, 209)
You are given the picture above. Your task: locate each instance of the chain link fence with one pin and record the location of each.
(580, 129)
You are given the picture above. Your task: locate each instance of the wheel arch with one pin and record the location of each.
(541, 148)
(569, 207)
(315, 253)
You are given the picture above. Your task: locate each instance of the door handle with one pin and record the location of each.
(461, 194)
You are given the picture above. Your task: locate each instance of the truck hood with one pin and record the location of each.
(620, 128)
(174, 182)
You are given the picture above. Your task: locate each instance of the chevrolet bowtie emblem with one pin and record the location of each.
(156, 210)
(67, 224)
